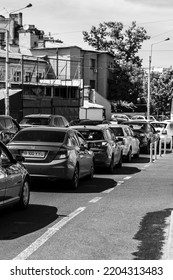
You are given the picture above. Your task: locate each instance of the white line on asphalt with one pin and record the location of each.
(119, 183)
(108, 190)
(94, 200)
(145, 166)
(47, 235)
(127, 177)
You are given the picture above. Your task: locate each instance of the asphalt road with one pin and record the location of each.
(123, 216)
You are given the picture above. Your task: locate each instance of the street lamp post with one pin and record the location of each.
(149, 77)
(7, 107)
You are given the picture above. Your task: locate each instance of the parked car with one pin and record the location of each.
(93, 122)
(141, 117)
(14, 180)
(44, 119)
(129, 142)
(101, 141)
(165, 130)
(54, 153)
(8, 128)
(119, 118)
(145, 132)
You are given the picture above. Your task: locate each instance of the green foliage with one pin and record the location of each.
(161, 90)
(127, 74)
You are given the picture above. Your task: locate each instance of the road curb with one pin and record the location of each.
(168, 254)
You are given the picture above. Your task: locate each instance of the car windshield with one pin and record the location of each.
(137, 126)
(159, 125)
(118, 131)
(92, 135)
(91, 122)
(35, 121)
(40, 136)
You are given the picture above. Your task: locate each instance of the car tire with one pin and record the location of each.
(75, 180)
(111, 166)
(119, 164)
(24, 196)
(129, 156)
(91, 175)
(137, 154)
(148, 148)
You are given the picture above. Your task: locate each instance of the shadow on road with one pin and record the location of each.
(151, 235)
(96, 185)
(25, 222)
(141, 159)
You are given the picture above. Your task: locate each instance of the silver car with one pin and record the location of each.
(14, 180)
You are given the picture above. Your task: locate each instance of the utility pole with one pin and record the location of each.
(7, 109)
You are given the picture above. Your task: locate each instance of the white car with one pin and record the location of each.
(165, 130)
(130, 143)
(141, 117)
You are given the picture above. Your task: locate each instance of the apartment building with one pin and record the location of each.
(55, 73)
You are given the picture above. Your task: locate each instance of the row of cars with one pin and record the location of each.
(45, 147)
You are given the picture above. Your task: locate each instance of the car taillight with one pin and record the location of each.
(123, 141)
(100, 144)
(62, 154)
(164, 132)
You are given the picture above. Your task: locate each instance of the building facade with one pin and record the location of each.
(51, 77)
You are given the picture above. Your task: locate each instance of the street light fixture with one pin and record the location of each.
(7, 109)
(149, 77)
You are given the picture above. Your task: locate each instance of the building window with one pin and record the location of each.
(28, 77)
(92, 63)
(17, 76)
(92, 84)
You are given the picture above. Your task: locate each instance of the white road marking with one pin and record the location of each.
(108, 190)
(94, 200)
(127, 177)
(119, 183)
(47, 235)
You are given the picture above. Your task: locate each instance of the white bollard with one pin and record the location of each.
(160, 148)
(155, 150)
(164, 145)
(151, 152)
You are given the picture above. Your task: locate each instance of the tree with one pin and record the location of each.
(161, 91)
(124, 45)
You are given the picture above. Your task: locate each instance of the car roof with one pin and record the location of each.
(91, 127)
(5, 117)
(41, 115)
(136, 121)
(47, 128)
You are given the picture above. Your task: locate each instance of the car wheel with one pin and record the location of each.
(119, 164)
(91, 175)
(25, 196)
(137, 154)
(129, 156)
(148, 148)
(75, 180)
(111, 166)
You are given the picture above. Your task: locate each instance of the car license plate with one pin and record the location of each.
(36, 154)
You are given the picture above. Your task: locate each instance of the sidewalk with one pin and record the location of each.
(162, 169)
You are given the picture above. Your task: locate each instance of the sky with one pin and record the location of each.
(66, 19)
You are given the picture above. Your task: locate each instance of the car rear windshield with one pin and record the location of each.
(118, 131)
(91, 135)
(137, 126)
(40, 136)
(36, 121)
(159, 125)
